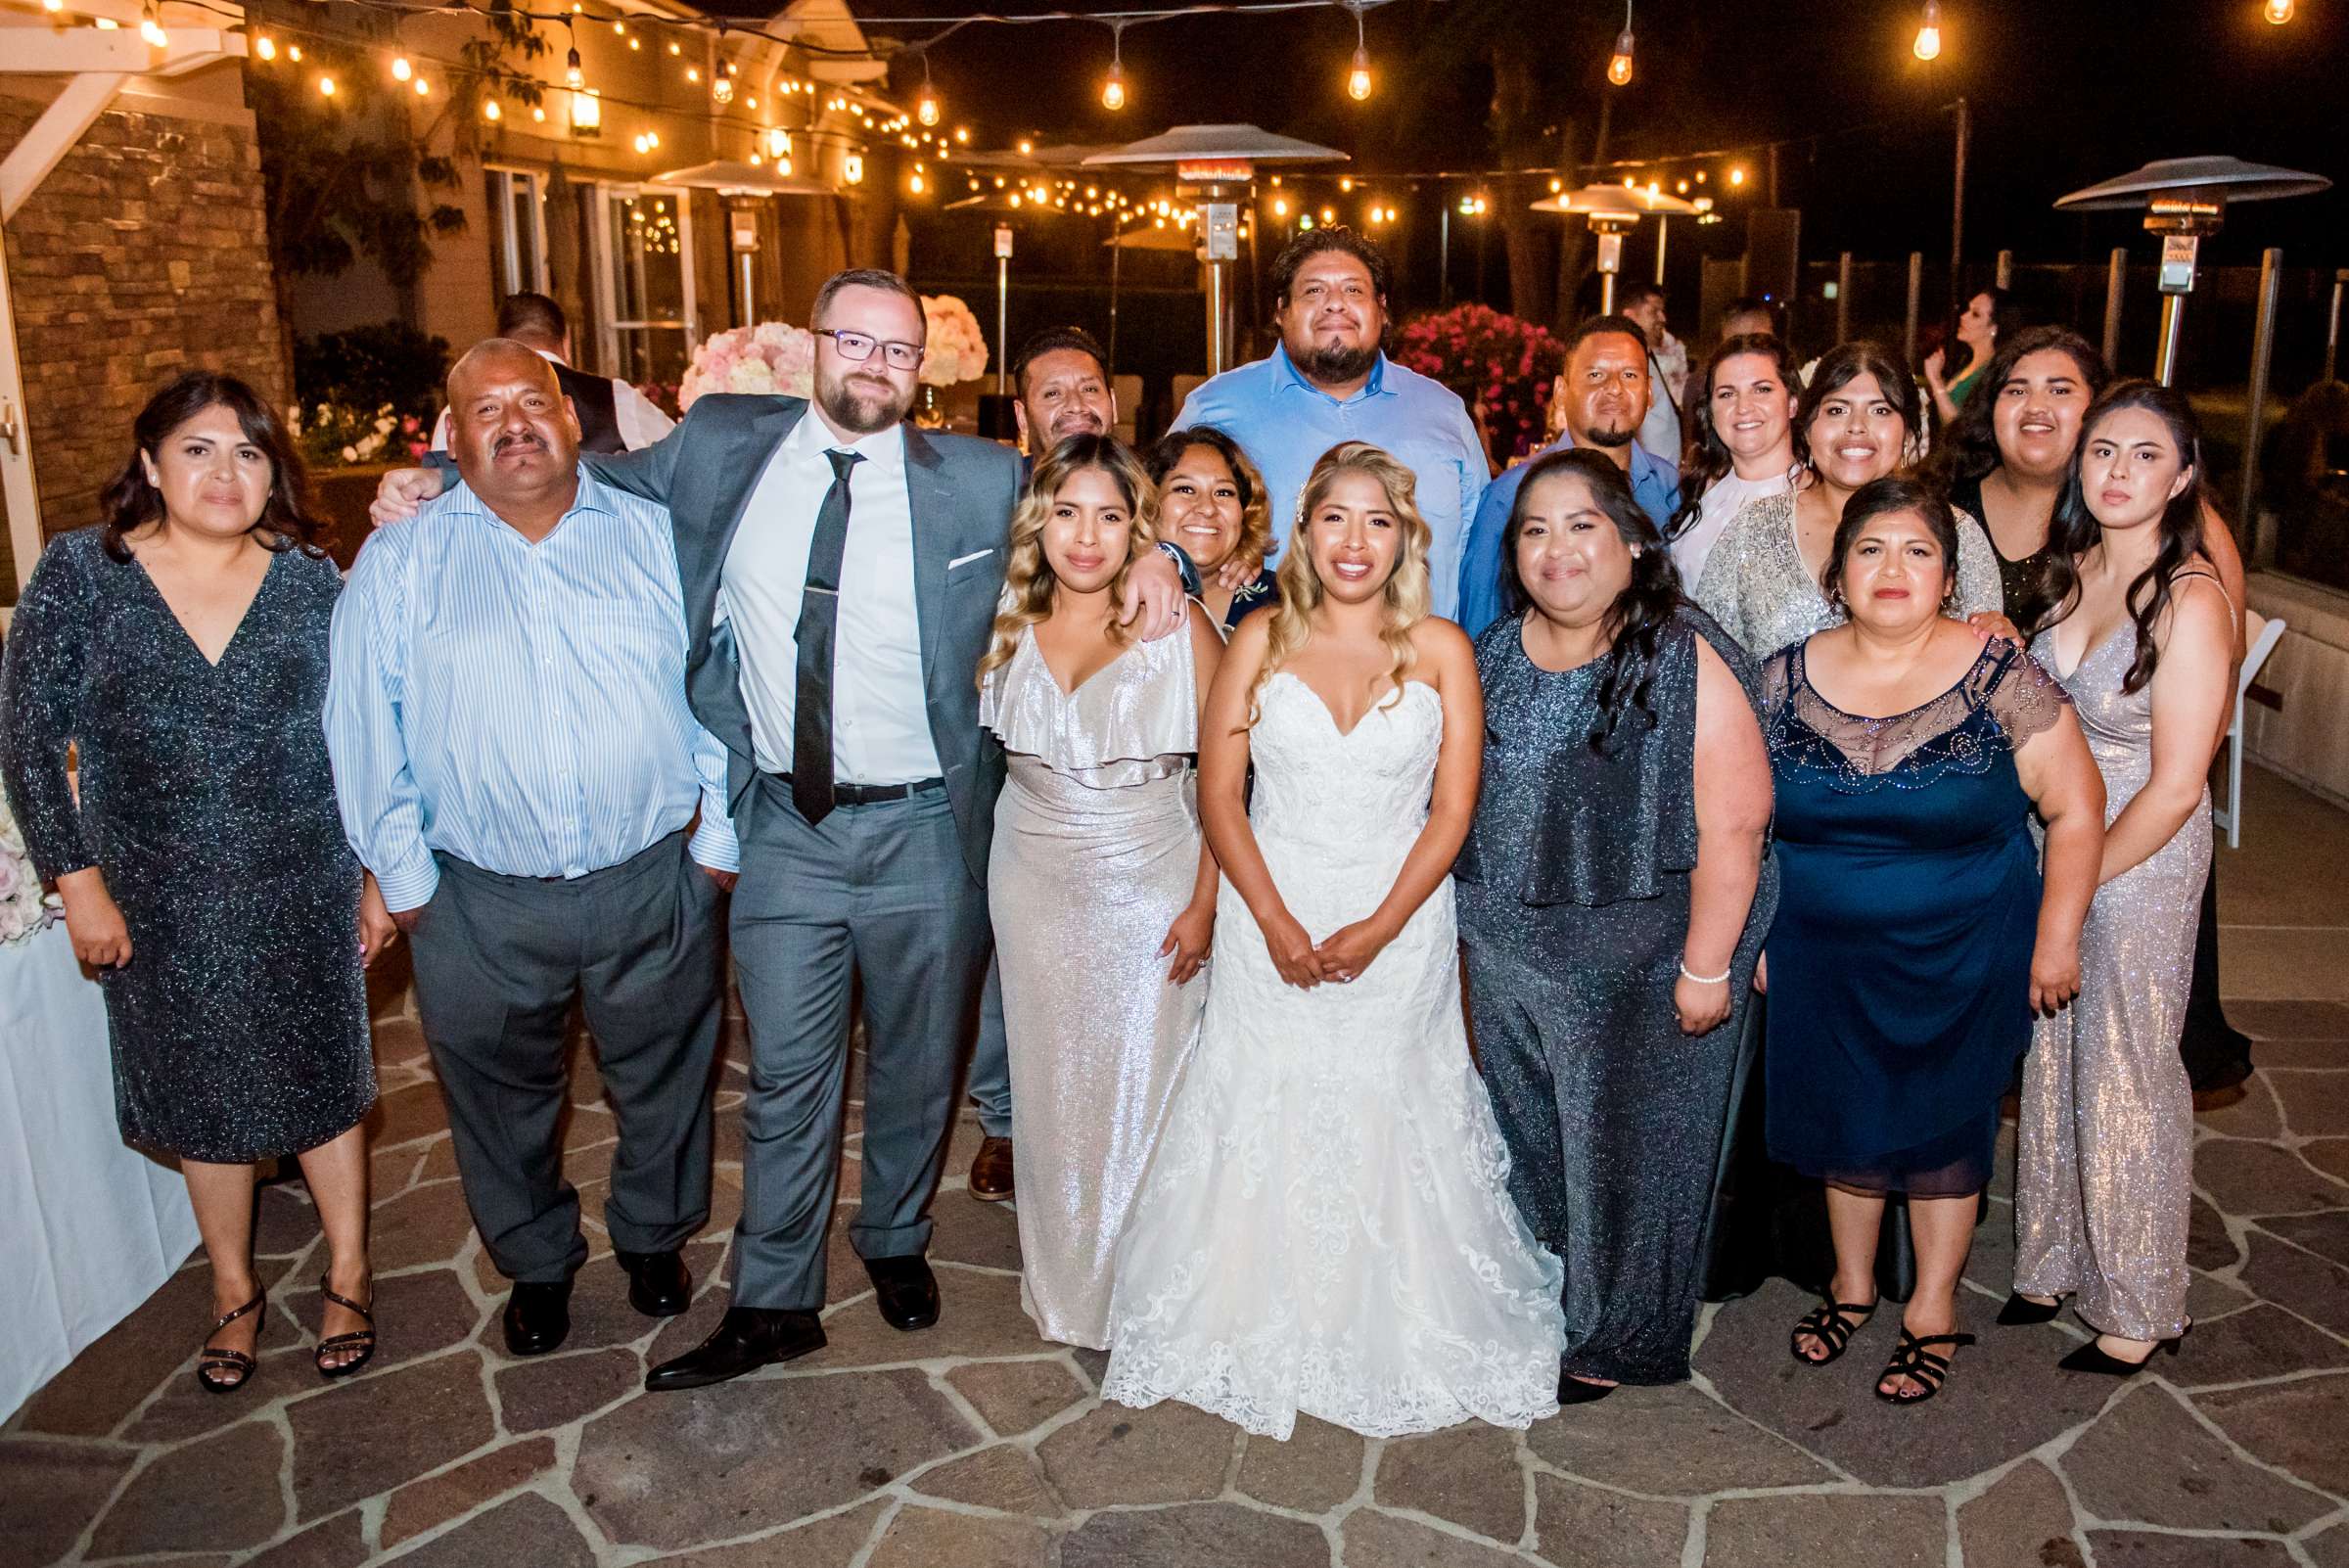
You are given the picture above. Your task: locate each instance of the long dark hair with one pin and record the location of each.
(2076, 530)
(1846, 363)
(1640, 613)
(1882, 498)
(2006, 323)
(1706, 457)
(130, 503)
(1970, 448)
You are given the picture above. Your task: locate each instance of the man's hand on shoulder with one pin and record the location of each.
(403, 492)
(1153, 600)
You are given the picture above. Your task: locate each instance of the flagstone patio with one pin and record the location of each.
(978, 1446)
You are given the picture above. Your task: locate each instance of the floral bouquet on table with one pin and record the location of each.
(1504, 368)
(332, 434)
(954, 351)
(770, 357)
(24, 909)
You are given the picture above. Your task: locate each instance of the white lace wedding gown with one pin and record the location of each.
(1326, 1227)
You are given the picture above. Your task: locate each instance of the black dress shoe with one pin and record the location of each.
(906, 1290)
(747, 1338)
(660, 1285)
(2021, 1310)
(538, 1318)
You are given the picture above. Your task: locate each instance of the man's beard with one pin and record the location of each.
(860, 404)
(1610, 437)
(1335, 362)
(1078, 422)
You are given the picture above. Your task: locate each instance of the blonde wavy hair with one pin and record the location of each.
(1301, 588)
(1028, 585)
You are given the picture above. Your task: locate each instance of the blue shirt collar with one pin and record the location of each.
(459, 500)
(1285, 374)
(1647, 468)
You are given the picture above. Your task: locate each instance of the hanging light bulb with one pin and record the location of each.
(652, 139)
(490, 111)
(914, 184)
(53, 6)
(294, 53)
(618, 26)
(152, 31)
(693, 74)
(721, 84)
(1113, 91)
(326, 87)
(778, 143)
(1928, 33)
(1358, 80)
(676, 48)
(851, 169)
(574, 75)
(538, 112)
(401, 71)
(1736, 176)
(2277, 12)
(265, 47)
(926, 108)
(1619, 67)
(424, 89)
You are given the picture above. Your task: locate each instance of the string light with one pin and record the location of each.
(104, 23)
(491, 110)
(721, 84)
(265, 47)
(913, 183)
(53, 6)
(294, 53)
(401, 71)
(152, 31)
(1619, 68)
(326, 87)
(539, 113)
(424, 88)
(1928, 33)
(925, 107)
(1736, 176)
(676, 48)
(851, 169)
(2277, 12)
(693, 74)
(1113, 90)
(586, 114)
(574, 75)
(778, 143)
(1357, 78)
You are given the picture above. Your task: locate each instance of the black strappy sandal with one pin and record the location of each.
(1826, 1323)
(1924, 1369)
(215, 1359)
(363, 1338)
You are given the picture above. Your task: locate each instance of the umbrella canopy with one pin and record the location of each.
(1212, 143)
(1150, 237)
(1615, 201)
(729, 177)
(1010, 202)
(1056, 155)
(2226, 179)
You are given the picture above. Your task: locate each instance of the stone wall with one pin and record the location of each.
(141, 255)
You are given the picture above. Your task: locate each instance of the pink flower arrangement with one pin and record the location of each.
(1498, 364)
(956, 351)
(770, 357)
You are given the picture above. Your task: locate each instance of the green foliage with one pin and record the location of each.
(390, 363)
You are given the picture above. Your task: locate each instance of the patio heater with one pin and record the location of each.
(2183, 200)
(1614, 210)
(1213, 165)
(730, 177)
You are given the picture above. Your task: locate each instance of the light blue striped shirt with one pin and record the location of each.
(519, 707)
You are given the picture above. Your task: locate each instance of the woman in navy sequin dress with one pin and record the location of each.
(1914, 937)
(180, 649)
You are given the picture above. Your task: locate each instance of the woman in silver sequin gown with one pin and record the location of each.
(2105, 1165)
(1099, 885)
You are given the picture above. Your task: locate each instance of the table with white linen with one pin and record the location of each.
(89, 1228)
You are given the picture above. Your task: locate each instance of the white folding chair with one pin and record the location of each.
(2261, 635)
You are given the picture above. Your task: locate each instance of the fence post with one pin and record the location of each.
(2005, 272)
(1843, 297)
(2332, 323)
(2116, 277)
(2263, 355)
(1917, 290)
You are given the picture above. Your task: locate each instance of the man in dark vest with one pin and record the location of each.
(614, 416)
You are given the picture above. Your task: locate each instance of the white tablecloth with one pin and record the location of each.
(88, 1227)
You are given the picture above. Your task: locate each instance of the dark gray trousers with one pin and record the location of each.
(498, 960)
(990, 1060)
(880, 890)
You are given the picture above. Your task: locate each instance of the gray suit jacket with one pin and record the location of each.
(962, 492)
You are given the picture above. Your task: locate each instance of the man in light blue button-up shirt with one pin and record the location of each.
(1330, 381)
(517, 764)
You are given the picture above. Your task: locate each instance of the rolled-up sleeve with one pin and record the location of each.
(375, 786)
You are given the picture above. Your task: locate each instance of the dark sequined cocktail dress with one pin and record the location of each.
(239, 1024)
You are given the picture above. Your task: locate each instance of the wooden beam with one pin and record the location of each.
(53, 136)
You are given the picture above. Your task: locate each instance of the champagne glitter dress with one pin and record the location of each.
(1096, 851)
(2104, 1169)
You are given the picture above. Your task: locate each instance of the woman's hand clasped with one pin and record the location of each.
(1293, 953)
(1350, 949)
(1703, 1005)
(2054, 979)
(94, 923)
(1188, 939)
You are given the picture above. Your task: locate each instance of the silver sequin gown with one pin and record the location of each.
(1755, 586)
(1096, 851)
(2104, 1169)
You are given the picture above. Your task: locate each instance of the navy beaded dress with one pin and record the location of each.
(239, 1024)
(1900, 963)
(1572, 890)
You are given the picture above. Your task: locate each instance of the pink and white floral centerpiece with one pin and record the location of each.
(24, 909)
(771, 358)
(954, 351)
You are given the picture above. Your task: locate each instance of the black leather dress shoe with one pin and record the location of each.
(906, 1290)
(747, 1338)
(660, 1285)
(538, 1318)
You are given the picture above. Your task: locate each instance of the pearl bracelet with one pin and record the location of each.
(1706, 980)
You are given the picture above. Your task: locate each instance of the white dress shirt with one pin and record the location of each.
(1729, 492)
(641, 420)
(880, 713)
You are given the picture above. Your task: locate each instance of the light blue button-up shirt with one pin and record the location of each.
(1655, 486)
(1285, 422)
(520, 707)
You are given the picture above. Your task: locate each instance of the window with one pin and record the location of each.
(517, 230)
(644, 283)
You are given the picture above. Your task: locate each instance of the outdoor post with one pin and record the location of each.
(1443, 250)
(2332, 323)
(1958, 211)
(1916, 299)
(2116, 278)
(2263, 357)
(1663, 223)
(2005, 277)
(1002, 308)
(1843, 297)
(1116, 249)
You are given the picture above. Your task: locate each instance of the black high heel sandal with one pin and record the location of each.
(1912, 1361)
(215, 1359)
(1826, 1323)
(2093, 1358)
(2021, 1310)
(363, 1338)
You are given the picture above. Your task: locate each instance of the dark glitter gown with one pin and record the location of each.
(239, 1024)
(1572, 890)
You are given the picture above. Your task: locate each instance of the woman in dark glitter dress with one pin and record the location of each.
(1613, 893)
(180, 649)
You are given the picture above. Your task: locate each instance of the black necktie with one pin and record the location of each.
(819, 622)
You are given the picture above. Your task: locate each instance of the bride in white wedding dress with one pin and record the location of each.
(1325, 1226)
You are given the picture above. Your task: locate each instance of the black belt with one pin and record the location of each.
(872, 794)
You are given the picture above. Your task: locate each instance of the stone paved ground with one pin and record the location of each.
(978, 1446)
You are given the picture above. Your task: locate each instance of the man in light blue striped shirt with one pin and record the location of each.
(517, 764)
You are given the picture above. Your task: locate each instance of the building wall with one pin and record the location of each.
(143, 254)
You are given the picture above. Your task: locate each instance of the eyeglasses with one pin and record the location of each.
(856, 348)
